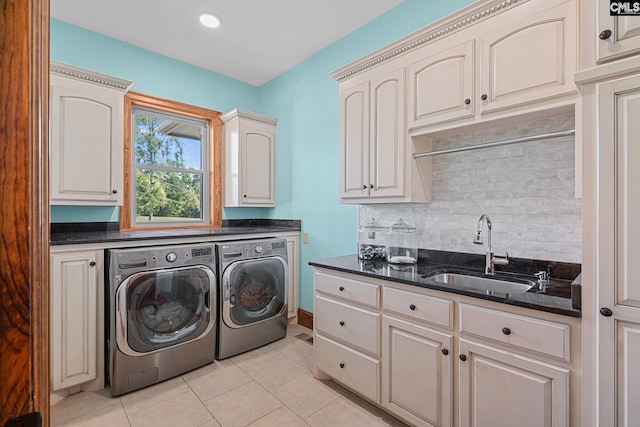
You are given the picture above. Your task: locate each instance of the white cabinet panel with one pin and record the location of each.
(441, 86)
(87, 137)
(500, 389)
(617, 36)
(249, 159)
(354, 136)
(74, 322)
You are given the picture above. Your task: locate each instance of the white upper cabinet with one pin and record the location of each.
(375, 164)
(249, 159)
(532, 57)
(86, 127)
(441, 86)
(617, 36)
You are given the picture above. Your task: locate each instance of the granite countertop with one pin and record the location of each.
(80, 233)
(556, 299)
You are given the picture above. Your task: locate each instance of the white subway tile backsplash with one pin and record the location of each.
(526, 189)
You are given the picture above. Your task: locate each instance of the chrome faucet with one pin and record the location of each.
(490, 260)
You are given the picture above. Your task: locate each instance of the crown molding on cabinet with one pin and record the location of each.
(87, 75)
(243, 114)
(456, 21)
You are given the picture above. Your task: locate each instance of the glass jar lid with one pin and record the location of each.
(401, 226)
(373, 225)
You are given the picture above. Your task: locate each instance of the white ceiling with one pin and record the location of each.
(258, 39)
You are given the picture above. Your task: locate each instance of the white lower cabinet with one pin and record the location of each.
(436, 359)
(499, 388)
(76, 306)
(417, 373)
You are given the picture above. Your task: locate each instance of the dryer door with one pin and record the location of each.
(254, 290)
(161, 308)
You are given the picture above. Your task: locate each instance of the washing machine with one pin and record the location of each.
(161, 313)
(252, 294)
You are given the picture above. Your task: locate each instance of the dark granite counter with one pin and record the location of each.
(555, 299)
(81, 233)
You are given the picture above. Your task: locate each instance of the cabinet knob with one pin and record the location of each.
(364, 187)
(412, 307)
(370, 185)
(483, 97)
(342, 366)
(467, 101)
(445, 351)
(244, 195)
(506, 331)
(604, 35)
(463, 357)
(114, 191)
(606, 312)
(341, 288)
(342, 323)
(92, 263)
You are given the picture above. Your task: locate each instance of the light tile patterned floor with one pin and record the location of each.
(268, 387)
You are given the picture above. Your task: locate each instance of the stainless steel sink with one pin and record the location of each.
(484, 285)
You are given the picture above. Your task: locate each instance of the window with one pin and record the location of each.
(172, 164)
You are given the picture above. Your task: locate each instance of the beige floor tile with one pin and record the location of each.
(273, 372)
(307, 362)
(294, 348)
(216, 379)
(258, 355)
(344, 413)
(295, 329)
(243, 405)
(305, 395)
(142, 399)
(184, 409)
(281, 417)
(111, 416)
(81, 404)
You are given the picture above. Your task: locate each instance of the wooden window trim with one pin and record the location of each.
(215, 157)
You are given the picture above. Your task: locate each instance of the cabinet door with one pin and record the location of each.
(258, 162)
(529, 60)
(618, 268)
(74, 323)
(86, 144)
(387, 135)
(502, 389)
(417, 373)
(354, 141)
(617, 36)
(441, 87)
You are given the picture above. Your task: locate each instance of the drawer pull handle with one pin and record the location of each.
(412, 307)
(342, 323)
(92, 263)
(506, 331)
(463, 357)
(342, 366)
(445, 351)
(467, 101)
(604, 35)
(484, 97)
(341, 288)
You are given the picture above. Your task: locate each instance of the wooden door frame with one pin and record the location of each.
(24, 209)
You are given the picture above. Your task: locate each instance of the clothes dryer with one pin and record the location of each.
(252, 297)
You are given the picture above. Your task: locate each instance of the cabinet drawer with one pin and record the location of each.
(348, 289)
(353, 326)
(533, 334)
(420, 307)
(351, 368)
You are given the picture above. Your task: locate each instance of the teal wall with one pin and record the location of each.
(304, 99)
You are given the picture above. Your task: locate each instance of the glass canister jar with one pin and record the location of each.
(372, 241)
(402, 244)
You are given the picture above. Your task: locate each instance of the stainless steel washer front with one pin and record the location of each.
(252, 294)
(161, 314)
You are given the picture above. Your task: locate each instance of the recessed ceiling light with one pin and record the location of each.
(209, 20)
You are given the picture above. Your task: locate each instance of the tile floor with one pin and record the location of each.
(270, 386)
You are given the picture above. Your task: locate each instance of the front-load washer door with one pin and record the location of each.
(254, 290)
(161, 308)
